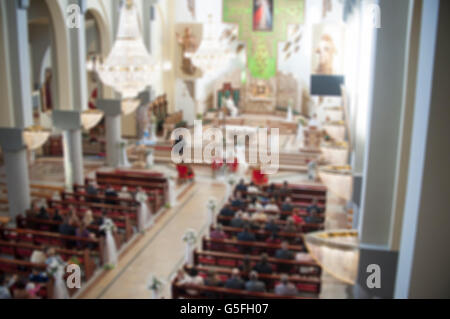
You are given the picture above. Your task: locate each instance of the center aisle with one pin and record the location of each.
(161, 250)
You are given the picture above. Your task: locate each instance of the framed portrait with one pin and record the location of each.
(262, 15)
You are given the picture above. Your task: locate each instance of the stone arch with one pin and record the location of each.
(97, 11)
(61, 54)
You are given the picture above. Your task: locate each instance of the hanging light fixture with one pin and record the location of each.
(129, 106)
(35, 136)
(129, 68)
(212, 53)
(90, 118)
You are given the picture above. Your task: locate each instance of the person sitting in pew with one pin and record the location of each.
(271, 190)
(238, 221)
(111, 194)
(43, 214)
(314, 206)
(20, 290)
(271, 226)
(218, 233)
(252, 188)
(273, 239)
(38, 277)
(298, 220)
(190, 277)
(290, 226)
(88, 218)
(286, 207)
(313, 218)
(284, 191)
(125, 193)
(74, 216)
(82, 232)
(57, 216)
(92, 190)
(255, 204)
(237, 201)
(241, 187)
(227, 211)
(212, 280)
(284, 252)
(246, 235)
(246, 265)
(263, 266)
(259, 215)
(272, 206)
(4, 287)
(235, 281)
(285, 288)
(67, 228)
(255, 285)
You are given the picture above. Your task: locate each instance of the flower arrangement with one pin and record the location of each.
(231, 181)
(54, 264)
(108, 224)
(190, 237)
(74, 261)
(211, 204)
(121, 144)
(302, 121)
(155, 284)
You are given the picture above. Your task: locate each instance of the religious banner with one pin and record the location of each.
(188, 37)
(262, 25)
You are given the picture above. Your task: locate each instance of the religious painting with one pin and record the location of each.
(188, 37)
(253, 18)
(262, 15)
(328, 49)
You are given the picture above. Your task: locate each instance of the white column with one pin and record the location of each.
(78, 60)
(383, 142)
(19, 61)
(16, 167)
(70, 123)
(113, 122)
(424, 259)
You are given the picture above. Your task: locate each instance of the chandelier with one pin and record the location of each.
(129, 106)
(212, 53)
(129, 67)
(90, 118)
(35, 136)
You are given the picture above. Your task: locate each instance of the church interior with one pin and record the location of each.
(217, 149)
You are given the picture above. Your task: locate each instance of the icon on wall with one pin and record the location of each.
(262, 15)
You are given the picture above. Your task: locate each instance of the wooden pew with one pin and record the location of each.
(263, 235)
(302, 213)
(221, 259)
(131, 179)
(303, 284)
(122, 222)
(305, 228)
(49, 225)
(123, 210)
(24, 250)
(180, 291)
(50, 239)
(24, 268)
(252, 248)
(300, 199)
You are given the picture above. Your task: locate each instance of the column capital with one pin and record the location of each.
(11, 139)
(67, 120)
(23, 4)
(145, 97)
(111, 107)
